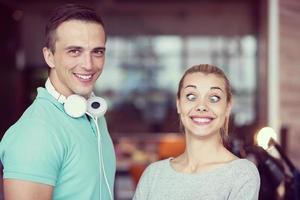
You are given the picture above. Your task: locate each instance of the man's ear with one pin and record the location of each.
(177, 106)
(49, 57)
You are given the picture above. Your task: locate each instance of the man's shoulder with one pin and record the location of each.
(36, 112)
(42, 110)
(36, 119)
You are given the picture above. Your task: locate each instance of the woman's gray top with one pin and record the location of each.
(236, 180)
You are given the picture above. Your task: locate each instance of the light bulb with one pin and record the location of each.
(264, 135)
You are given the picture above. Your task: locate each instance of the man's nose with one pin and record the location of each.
(87, 62)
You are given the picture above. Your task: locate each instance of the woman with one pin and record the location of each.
(206, 170)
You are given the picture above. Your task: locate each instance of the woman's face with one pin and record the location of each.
(202, 106)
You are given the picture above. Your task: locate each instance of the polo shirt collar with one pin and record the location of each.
(44, 94)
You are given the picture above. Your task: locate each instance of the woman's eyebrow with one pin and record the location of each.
(193, 86)
(211, 88)
(216, 88)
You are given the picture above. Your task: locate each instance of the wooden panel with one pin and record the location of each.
(289, 74)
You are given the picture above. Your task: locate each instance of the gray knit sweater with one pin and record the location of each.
(237, 180)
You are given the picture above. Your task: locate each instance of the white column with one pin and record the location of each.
(273, 66)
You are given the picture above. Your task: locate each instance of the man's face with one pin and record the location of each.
(78, 58)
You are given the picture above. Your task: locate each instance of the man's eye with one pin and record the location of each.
(214, 99)
(191, 97)
(99, 52)
(74, 52)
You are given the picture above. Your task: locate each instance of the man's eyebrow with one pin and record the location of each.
(79, 48)
(73, 47)
(99, 49)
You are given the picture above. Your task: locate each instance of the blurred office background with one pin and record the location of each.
(150, 44)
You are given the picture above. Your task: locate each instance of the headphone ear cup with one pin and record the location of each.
(75, 106)
(96, 106)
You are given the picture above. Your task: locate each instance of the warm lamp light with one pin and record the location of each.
(264, 136)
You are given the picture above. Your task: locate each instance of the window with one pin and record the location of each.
(143, 73)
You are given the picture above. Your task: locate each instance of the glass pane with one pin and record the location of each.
(141, 76)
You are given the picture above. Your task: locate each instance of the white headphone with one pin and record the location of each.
(76, 105)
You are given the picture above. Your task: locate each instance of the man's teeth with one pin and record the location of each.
(85, 77)
(202, 120)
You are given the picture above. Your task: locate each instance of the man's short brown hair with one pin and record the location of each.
(65, 13)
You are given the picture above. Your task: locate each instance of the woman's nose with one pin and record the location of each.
(201, 107)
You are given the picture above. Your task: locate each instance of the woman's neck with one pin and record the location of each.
(201, 155)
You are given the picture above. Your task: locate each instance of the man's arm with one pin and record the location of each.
(26, 190)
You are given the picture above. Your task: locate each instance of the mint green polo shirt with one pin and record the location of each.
(47, 146)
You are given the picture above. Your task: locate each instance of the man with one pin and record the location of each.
(49, 154)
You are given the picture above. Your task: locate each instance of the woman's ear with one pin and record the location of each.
(228, 109)
(49, 57)
(177, 106)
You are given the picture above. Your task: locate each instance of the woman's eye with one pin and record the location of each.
(214, 99)
(191, 97)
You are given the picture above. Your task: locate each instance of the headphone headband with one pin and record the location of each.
(76, 105)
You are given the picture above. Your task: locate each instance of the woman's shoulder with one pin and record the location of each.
(244, 168)
(243, 163)
(159, 165)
